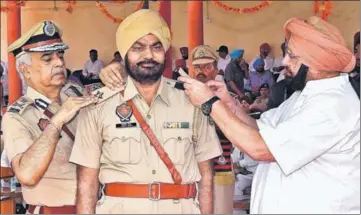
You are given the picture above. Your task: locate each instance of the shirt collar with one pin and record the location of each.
(317, 86)
(33, 94)
(131, 91)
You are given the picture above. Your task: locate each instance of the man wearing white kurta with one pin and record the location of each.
(223, 61)
(318, 156)
(309, 147)
(244, 179)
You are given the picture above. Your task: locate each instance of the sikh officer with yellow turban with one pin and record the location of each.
(141, 142)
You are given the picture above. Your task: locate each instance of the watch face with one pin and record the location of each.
(206, 108)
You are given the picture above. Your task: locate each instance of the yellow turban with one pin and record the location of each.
(138, 25)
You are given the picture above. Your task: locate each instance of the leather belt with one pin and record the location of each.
(153, 191)
(68, 209)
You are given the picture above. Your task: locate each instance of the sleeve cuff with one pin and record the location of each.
(83, 160)
(210, 156)
(21, 146)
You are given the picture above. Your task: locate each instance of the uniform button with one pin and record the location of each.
(154, 172)
(179, 138)
(149, 116)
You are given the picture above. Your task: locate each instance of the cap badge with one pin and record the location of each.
(49, 29)
(201, 54)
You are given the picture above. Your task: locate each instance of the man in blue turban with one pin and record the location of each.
(261, 76)
(236, 70)
(237, 53)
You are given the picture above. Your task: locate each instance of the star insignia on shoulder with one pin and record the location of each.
(99, 95)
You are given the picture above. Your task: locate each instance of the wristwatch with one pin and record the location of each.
(207, 106)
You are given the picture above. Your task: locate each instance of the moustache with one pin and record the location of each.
(155, 63)
(59, 71)
(201, 77)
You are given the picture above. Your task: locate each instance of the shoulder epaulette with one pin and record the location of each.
(174, 84)
(20, 105)
(105, 93)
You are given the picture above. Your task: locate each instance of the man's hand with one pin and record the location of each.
(69, 108)
(113, 75)
(197, 91)
(220, 89)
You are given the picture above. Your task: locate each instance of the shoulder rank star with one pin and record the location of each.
(99, 95)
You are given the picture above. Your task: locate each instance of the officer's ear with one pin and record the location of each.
(25, 71)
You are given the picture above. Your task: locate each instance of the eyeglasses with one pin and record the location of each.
(292, 56)
(289, 53)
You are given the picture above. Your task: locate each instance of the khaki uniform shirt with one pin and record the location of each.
(21, 126)
(126, 155)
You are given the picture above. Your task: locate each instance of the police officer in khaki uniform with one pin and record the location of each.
(204, 61)
(38, 129)
(144, 144)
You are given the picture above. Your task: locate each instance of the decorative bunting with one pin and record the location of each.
(9, 8)
(117, 20)
(70, 3)
(323, 7)
(252, 9)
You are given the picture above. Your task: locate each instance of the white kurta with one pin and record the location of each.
(222, 63)
(93, 68)
(315, 138)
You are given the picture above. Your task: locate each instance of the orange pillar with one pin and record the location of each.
(165, 10)
(13, 33)
(195, 28)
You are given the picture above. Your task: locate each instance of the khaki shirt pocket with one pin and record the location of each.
(176, 141)
(125, 147)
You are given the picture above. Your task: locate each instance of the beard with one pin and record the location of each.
(298, 82)
(260, 70)
(265, 53)
(144, 75)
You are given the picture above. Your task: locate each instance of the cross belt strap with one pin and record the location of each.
(65, 128)
(177, 178)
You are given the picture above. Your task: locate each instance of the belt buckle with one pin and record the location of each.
(150, 196)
